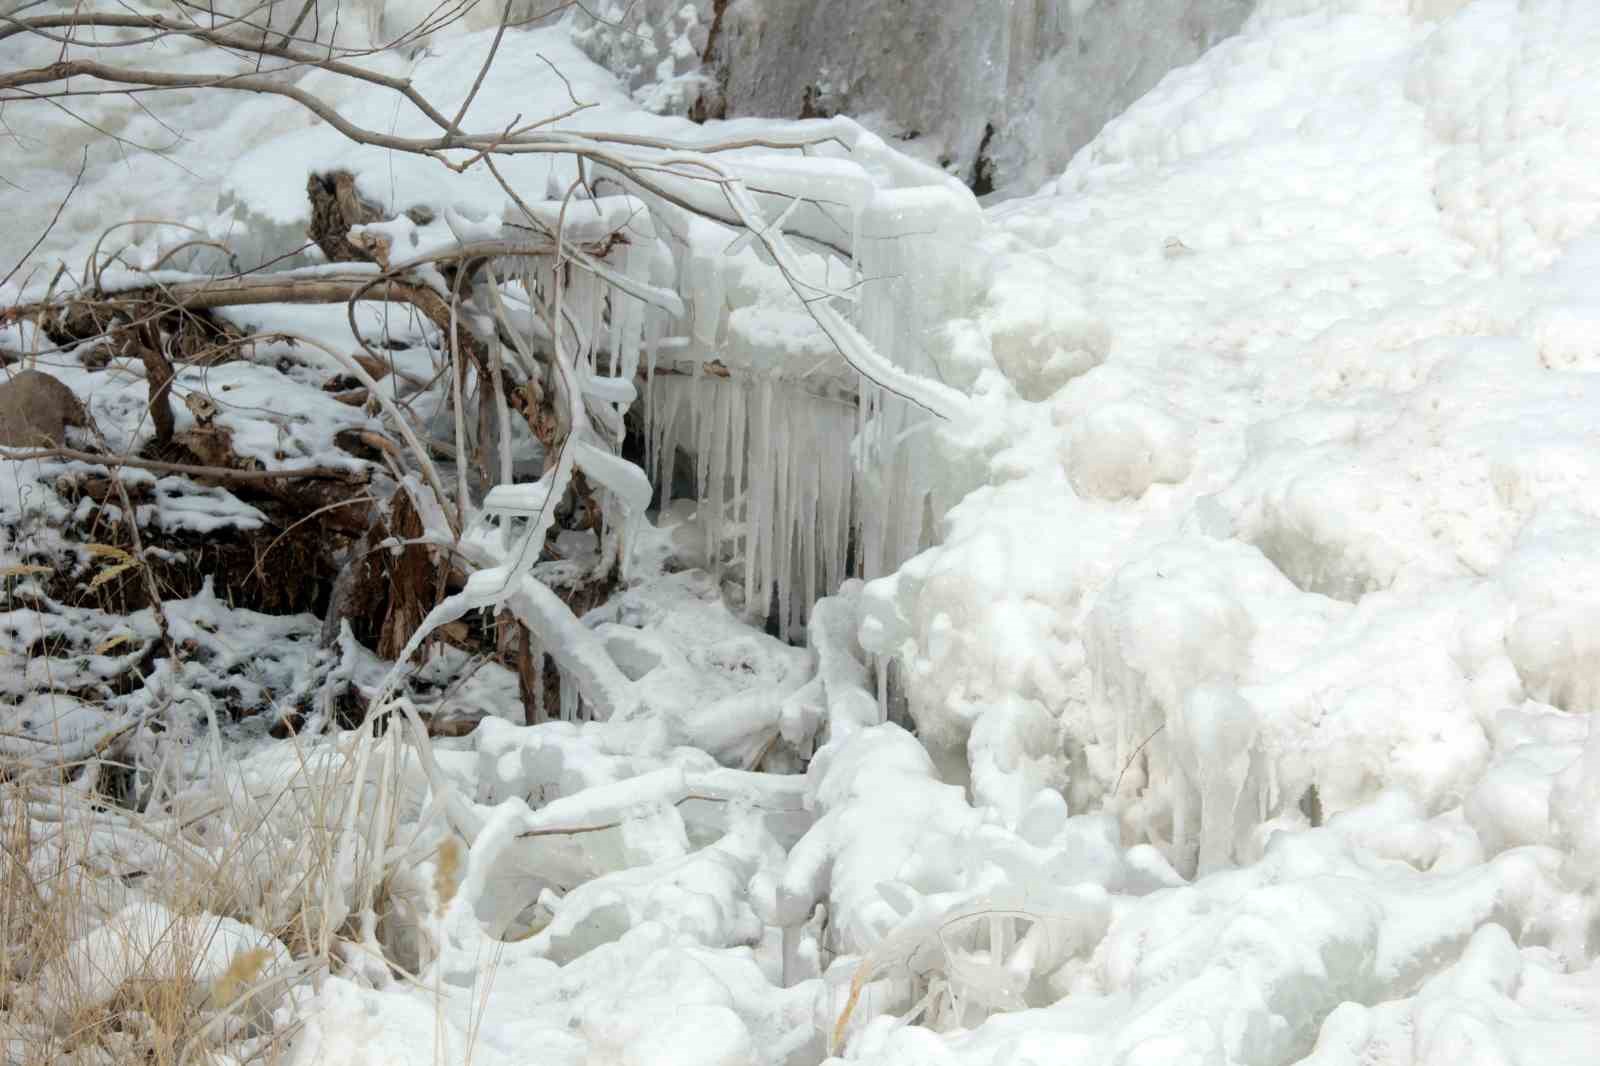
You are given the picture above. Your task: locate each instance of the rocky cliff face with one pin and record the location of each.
(1001, 94)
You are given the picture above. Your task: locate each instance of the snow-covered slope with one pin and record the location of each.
(1336, 455)
(1312, 528)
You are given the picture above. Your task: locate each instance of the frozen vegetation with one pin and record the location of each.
(1154, 620)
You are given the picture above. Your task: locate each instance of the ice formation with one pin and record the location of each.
(1010, 89)
(807, 471)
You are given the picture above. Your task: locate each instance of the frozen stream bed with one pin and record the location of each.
(1225, 698)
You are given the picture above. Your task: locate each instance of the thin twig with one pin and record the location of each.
(1134, 755)
(213, 473)
(62, 206)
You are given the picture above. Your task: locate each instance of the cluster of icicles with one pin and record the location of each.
(798, 491)
(806, 479)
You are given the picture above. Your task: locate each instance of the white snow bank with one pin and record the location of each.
(1309, 542)
(1311, 352)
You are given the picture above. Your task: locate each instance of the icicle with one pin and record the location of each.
(569, 700)
(1180, 789)
(634, 314)
(881, 663)
(810, 497)
(652, 401)
(576, 325)
(758, 564)
(596, 307)
(653, 325)
(671, 391)
(864, 511)
(783, 533)
(703, 402)
(692, 404)
(839, 489)
(621, 317)
(717, 473)
(707, 301)
(738, 455)
(855, 253)
(1219, 728)
(806, 437)
(616, 303)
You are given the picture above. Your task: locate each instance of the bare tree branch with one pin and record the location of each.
(209, 473)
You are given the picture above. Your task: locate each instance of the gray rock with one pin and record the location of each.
(1001, 94)
(36, 409)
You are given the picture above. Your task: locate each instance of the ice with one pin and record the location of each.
(762, 388)
(1216, 740)
(1018, 770)
(1572, 799)
(697, 896)
(941, 81)
(1395, 651)
(776, 477)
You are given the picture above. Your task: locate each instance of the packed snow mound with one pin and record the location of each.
(1120, 450)
(1310, 539)
(1314, 352)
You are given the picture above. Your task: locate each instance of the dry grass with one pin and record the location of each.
(81, 983)
(239, 888)
(256, 876)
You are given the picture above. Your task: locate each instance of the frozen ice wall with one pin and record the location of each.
(1042, 75)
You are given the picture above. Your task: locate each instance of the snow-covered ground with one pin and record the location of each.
(1221, 691)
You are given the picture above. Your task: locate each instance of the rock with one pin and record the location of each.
(1000, 95)
(36, 409)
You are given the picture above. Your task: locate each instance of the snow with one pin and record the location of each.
(1299, 524)
(1119, 450)
(1211, 683)
(147, 942)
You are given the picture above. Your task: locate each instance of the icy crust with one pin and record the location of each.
(804, 467)
(164, 166)
(1250, 688)
(1313, 955)
(579, 888)
(147, 942)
